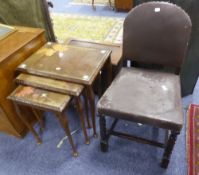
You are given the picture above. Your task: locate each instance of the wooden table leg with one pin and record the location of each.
(93, 4)
(106, 75)
(86, 108)
(82, 121)
(28, 125)
(109, 2)
(109, 71)
(39, 118)
(64, 123)
(99, 85)
(91, 98)
(169, 149)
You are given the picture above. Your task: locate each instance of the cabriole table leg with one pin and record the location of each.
(28, 125)
(91, 97)
(82, 121)
(64, 123)
(86, 108)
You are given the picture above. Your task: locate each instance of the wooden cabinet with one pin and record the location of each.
(13, 50)
(123, 5)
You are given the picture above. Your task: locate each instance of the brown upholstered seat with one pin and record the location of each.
(154, 33)
(144, 96)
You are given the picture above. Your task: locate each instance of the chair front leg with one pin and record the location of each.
(103, 134)
(169, 149)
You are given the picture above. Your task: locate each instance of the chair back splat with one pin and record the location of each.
(156, 33)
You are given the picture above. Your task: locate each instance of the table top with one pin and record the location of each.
(64, 87)
(116, 49)
(59, 61)
(40, 98)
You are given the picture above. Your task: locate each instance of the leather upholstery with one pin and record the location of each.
(144, 96)
(156, 32)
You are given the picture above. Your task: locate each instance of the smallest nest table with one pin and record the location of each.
(45, 100)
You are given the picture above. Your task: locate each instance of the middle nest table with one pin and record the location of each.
(71, 64)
